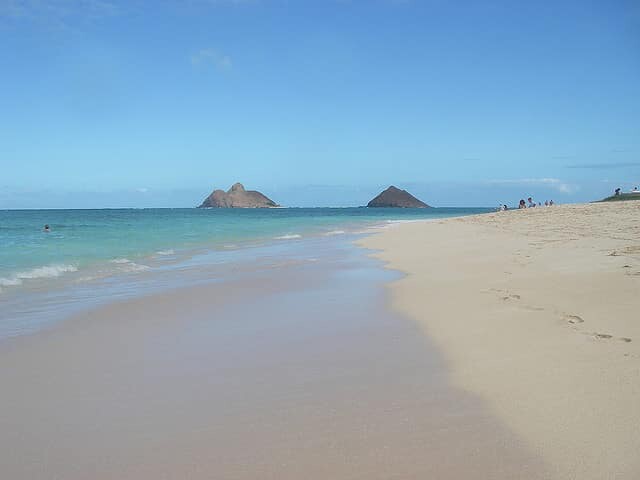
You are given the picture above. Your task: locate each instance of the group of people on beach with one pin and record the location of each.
(532, 204)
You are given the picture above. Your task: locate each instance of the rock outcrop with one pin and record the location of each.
(237, 197)
(394, 197)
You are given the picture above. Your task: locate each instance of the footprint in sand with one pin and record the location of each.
(573, 319)
(503, 294)
(511, 297)
(606, 336)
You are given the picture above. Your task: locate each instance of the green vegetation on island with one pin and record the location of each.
(621, 197)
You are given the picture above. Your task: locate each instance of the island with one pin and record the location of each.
(395, 197)
(237, 197)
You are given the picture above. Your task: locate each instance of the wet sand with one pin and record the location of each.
(296, 371)
(537, 312)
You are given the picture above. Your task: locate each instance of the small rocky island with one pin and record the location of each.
(395, 197)
(237, 197)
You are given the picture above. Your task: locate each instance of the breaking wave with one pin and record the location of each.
(288, 237)
(127, 266)
(47, 271)
(120, 261)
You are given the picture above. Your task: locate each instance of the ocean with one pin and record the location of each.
(95, 256)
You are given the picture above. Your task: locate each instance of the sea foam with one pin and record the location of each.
(127, 266)
(288, 237)
(47, 271)
(120, 261)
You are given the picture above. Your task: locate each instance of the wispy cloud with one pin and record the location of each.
(554, 183)
(57, 13)
(604, 166)
(211, 57)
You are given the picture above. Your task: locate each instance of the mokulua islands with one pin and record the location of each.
(397, 198)
(237, 197)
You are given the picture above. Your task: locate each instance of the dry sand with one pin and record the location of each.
(538, 313)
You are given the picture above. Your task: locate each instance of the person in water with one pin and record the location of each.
(46, 228)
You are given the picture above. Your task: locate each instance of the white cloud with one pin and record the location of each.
(554, 183)
(211, 57)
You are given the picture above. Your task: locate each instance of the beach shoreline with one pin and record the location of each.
(489, 353)
(298, 370)
(90, 257)
(536, 312)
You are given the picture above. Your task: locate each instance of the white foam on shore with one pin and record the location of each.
(10, 282)
(135, 267)
(166, 252)
(335, 232)
(288, 237)
(126, 265)
(47, 271)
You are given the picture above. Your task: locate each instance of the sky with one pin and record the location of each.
(133, 103)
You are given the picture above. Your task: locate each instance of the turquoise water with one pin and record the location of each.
(95, 256)
(81, 239)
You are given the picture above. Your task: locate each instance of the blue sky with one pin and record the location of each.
(107, 103)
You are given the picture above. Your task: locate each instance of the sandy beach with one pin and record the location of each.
(295, 370)
(502, 346)
(537, 312)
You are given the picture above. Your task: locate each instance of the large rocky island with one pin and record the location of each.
(237, 197)
(395, 197)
